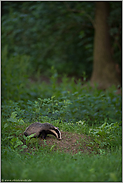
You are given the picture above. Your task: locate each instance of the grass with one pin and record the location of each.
(54, 166)
(89, 119)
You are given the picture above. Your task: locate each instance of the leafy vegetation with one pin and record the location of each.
(13, 68)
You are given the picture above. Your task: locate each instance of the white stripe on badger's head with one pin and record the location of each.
(59, 136)
(56, 132)
(53, 131)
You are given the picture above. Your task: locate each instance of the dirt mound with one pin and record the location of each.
(70, 143)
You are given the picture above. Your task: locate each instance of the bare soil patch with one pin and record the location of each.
(70, 143)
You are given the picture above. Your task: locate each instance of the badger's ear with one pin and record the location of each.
(56, 128)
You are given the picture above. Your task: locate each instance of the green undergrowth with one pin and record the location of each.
(106, 135)
(74, 108)
(54, 166)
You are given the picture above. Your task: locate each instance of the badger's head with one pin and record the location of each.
(56, 132)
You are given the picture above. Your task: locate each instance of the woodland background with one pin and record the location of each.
(38, 35)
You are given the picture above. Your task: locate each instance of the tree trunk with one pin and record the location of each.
(104, 71)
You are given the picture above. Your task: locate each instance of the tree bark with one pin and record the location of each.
(104, 71)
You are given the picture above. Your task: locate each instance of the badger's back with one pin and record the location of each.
(36, 128)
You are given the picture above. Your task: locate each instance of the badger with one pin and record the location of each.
(42, 129)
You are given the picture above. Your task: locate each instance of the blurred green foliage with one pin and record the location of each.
(15, 72)
(42, 166)
(66, 102)
(59, 34)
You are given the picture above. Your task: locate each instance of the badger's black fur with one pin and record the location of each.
(42, 129)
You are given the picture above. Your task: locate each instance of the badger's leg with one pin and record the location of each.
(44, 134)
